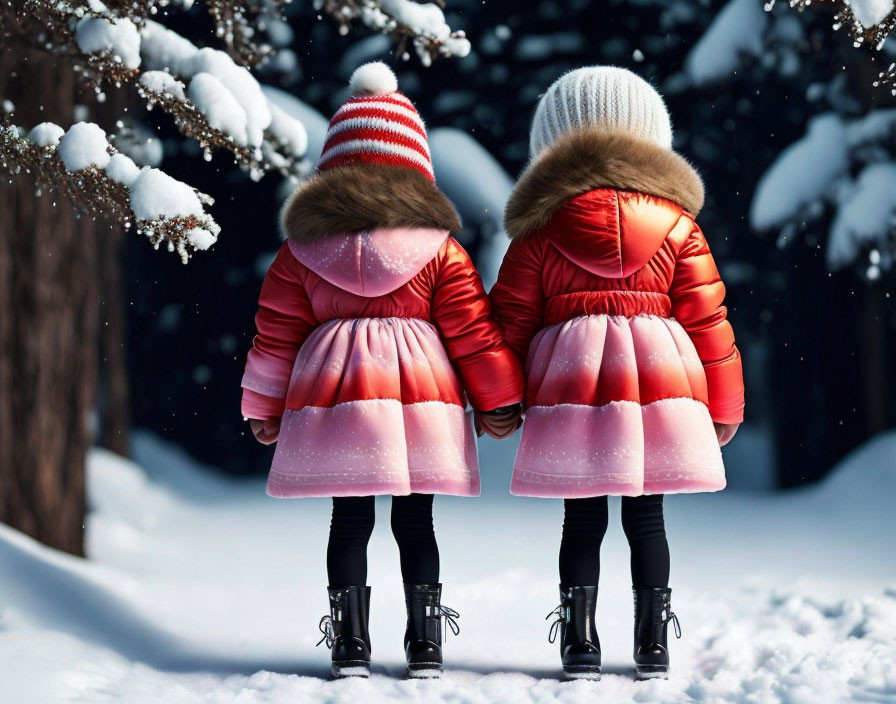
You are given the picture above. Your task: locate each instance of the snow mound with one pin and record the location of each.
(121, 168)
(119, 38)
(866, 217)
(315, 124)
(84, 145)
(219, 106)
(201, 238)
(155, 194)
(867, 475)
(289, 132)
(162, 83)
(375, 78)
(870, 12)
(242, 86)
(802, 174)
(479, 186)
(46, 134)
(876, 126)
(166, 51)
(735, 32)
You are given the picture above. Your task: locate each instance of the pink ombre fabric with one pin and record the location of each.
(608, 398)
(373, 358)
(380, 411)
(364, 448)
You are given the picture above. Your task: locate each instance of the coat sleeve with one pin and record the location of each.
(518, 296)
(697, 293)
(284, 320)
(491, 374)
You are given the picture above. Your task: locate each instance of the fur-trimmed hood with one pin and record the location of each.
(593, 158)
(362, 198)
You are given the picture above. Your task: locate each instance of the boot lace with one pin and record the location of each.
(326, 627)
(670, 616)
(560, 619)
(450, 617)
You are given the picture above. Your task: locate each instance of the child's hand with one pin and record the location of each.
(499, 423)
(725, 431)
(265, 431)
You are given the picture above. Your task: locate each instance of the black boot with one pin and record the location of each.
(579, 644)
(423, 636)
(345, 631)
(653, 612)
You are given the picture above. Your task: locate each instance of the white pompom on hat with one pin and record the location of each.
(377, 125)
(600, 96)
(375, 78)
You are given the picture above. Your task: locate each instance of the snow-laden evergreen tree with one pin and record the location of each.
(868, 22)
(72, 77)
(210, 94)
(839, 172)
(803, 152)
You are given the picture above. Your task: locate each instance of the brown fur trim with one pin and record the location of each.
(359, 197)
(593, 158)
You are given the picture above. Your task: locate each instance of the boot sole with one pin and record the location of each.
(350, 669)
(652, 672)
(425, 670)
(584, 673)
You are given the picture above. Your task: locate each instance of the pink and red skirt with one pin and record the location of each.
(616, 406)
(374, 407)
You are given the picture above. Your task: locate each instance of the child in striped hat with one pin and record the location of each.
(374, 332)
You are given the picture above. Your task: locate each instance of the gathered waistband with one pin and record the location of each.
(628, 303)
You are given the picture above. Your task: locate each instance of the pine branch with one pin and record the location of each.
(873, 36)
(237, 23)
(59, 27)
(192, 123)
(887, 78)
(421, 23)
(94, 193)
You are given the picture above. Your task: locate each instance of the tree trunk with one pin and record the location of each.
(48, 327)
(115, 397)
(875, 362)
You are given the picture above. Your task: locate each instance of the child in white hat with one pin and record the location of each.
(609, 292)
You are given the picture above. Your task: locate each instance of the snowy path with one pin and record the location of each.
(203, 590)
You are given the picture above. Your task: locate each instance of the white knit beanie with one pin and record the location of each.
(600, 96)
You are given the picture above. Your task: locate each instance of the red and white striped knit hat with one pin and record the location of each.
(377, 125)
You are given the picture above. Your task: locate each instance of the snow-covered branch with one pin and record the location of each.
(844, 165)
(869, 23)
(237, 23)
(103, 183)
(209, 96)
(422, 23)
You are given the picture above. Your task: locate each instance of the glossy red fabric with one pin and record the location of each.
(446, 293)
(627, 254)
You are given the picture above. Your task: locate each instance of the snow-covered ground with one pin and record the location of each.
(201, 589)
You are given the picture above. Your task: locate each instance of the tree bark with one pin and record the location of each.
(48, 327)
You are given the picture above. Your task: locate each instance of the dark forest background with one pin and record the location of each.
(818, 346)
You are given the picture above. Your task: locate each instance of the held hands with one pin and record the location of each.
(265, 431)
(500, 423)
(725, 431)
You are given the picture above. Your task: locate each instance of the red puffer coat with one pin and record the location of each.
(373, 329)
(610, 294)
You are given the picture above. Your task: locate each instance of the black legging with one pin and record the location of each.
(584, 526)
(350, 529)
